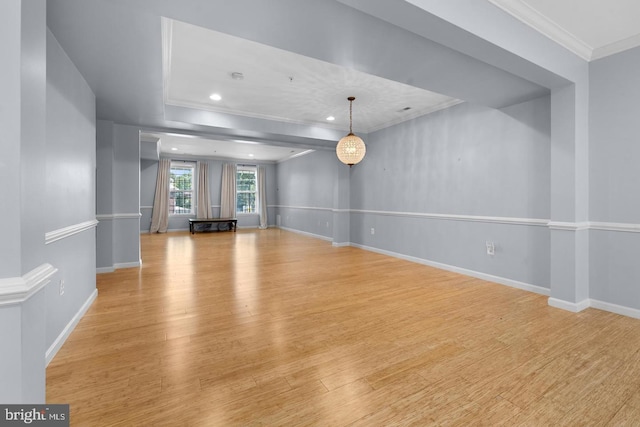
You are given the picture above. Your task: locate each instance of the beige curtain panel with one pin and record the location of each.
(228, 191)
(160, 217)
(262, 196)
(204, 195)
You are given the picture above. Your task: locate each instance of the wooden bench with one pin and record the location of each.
(212, 224)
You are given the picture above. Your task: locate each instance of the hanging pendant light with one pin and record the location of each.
(351, 148)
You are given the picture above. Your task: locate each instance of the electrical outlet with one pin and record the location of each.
(373, 231)
(61, 287)
(491, 248)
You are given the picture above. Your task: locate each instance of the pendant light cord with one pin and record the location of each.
(351, 99)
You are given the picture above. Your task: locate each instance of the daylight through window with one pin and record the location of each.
(246, 185)
(181, 191)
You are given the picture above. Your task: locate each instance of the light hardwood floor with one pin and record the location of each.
(268, 327)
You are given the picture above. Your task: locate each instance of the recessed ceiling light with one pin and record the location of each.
(250, 155)
(331, 118)
(174, 149)
(215, 97)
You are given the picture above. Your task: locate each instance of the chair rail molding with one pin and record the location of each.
(62, 233)
(16, 290)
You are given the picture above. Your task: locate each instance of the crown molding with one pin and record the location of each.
(617, 47)
(531, 17)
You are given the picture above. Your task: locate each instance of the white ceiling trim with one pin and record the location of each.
(405, 117)
(526, 14)
(616, 47)
(237, 112)
(167, 31)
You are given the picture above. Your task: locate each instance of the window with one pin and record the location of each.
(246, 185)
(181, 192)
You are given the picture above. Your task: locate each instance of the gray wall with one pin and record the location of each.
(22, 169)
(437, 177)
(305, 193)
(118, 196)
(70, 188)
(148, 175)
(437, 188)
(614, 179)
(10, 123)
(48, 118)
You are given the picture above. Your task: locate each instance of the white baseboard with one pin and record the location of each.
(597, 304)
(340, 245)
(57, 344)
(101, 270)
(615, 308)
(304, 233)
(120, 265)
(477, 274)
(573, 307)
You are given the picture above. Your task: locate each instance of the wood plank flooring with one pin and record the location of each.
(271, 328)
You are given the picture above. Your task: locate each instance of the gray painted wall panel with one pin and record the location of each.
(11, 355)
(104, 167)
(614, 141)
(126, 169)
(126, 241)
(104, 244)
(10, 120)
(33, 120)
(33, 340)
(70, 197)
(520, 251)
(71, 135)
(614, 176)
(466, 160)
(308, 180)
(614, 268)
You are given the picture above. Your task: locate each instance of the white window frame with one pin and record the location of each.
(254, 169)
(176, 164)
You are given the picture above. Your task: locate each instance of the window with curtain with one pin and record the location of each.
(246, 189)
(181, 188)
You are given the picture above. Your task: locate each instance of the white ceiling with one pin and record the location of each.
(119, 48)
(590, 28)
(276, 85)
(281, 85)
